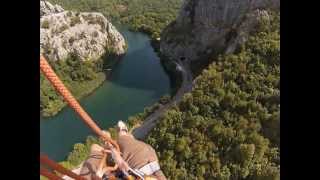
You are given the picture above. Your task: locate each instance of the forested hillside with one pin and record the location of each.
(80, 77)
(150, 16)
(228, 127)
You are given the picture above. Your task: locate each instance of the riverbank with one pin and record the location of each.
(52, 103)
(79, 90)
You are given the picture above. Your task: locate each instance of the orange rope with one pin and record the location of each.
(44, 159)
(72, 102)
(48, 174)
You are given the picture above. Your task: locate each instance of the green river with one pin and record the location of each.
(137, 81)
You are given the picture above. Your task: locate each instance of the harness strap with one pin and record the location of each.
(149, 168)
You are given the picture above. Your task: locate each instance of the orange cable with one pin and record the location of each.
(72, 102)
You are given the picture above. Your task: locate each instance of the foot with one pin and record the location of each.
(122, 126)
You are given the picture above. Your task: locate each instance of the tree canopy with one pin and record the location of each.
(79, 77)
(150, 16)
(228, 127)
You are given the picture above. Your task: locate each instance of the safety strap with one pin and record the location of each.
(149, 168)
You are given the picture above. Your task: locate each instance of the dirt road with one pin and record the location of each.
(149, 123)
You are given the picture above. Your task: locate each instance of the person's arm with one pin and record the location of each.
(95, 177)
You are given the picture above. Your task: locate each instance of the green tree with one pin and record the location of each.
(228, 126)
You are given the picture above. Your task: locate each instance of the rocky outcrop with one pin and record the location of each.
(46, 8)
(204, 27)
(85, 35)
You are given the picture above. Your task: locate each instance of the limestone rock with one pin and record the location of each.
(86, 35)
(46, 8)
(206, 26)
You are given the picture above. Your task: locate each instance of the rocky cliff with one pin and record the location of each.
(204, 27)
(86, 35)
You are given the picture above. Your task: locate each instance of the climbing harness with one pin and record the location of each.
(149, 169)
(73, 103)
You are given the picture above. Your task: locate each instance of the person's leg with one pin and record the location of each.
(90, 166)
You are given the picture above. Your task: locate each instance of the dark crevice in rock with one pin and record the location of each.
(182, 58)
(191, 8)
(232, 34)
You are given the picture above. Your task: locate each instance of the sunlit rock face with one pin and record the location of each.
(206, 26)
(85, 35)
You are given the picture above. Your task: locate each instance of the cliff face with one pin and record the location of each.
(204, 27)
(86, 35)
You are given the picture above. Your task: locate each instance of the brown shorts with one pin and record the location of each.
(135, 153)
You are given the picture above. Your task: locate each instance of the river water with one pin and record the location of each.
(137, 81)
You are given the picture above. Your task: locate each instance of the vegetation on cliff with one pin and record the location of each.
(149, 16)
(81, 78)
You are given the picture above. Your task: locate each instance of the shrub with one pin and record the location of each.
(95, 34)
(90, 19)
(71, 40)
(92, 42)
(75, 20)
(165, 99)
(79, 154)
(45, 24)
(82, 35)
(69, 13)
(63, 27)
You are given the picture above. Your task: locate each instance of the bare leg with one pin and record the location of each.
(90, 166)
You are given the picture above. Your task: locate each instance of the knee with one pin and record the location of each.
(96, 147)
